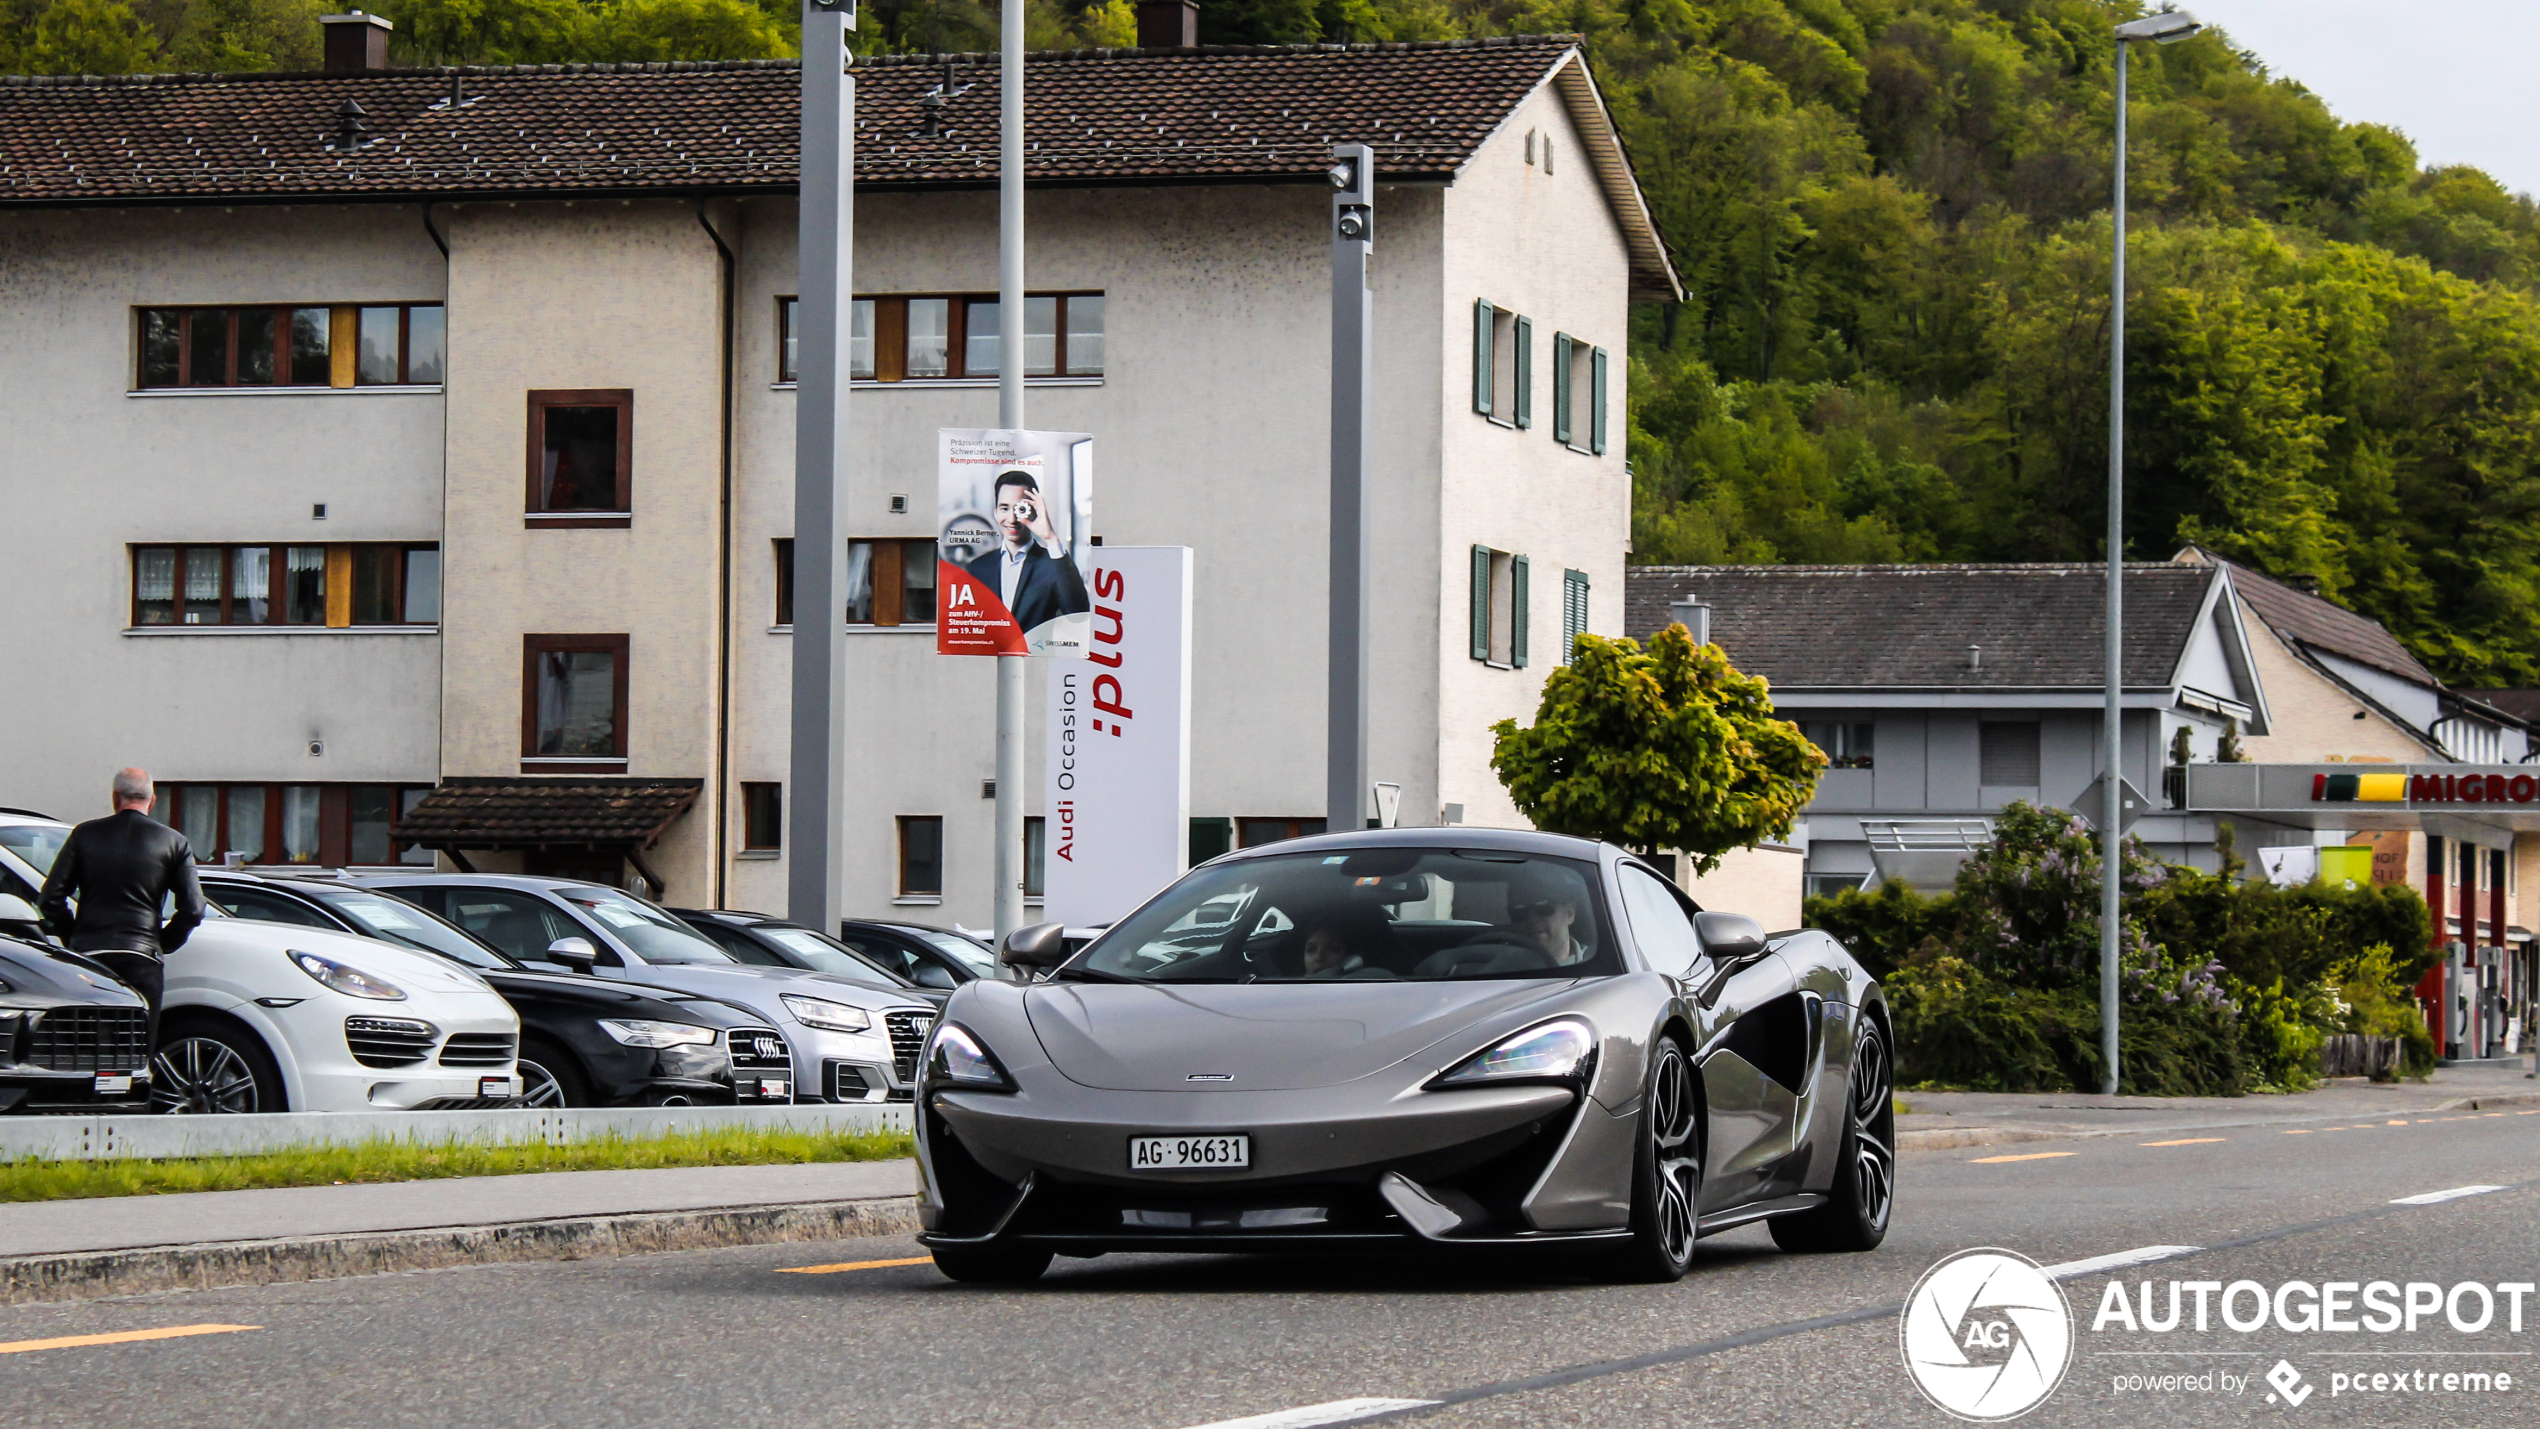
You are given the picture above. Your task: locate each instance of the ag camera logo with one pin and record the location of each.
(1986, 1335)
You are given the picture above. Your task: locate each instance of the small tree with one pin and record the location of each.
(1664, 748)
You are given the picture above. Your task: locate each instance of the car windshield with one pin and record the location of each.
(821, 955)
(653, 933)
(36, 843)
(979, 960)
(1359, 915)
(404, 923)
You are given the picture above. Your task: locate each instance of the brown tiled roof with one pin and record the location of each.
(468, 812)
(1908, 627)
(2323, 624)
(2521, 704)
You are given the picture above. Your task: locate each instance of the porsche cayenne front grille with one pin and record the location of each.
(389, 1041)
(908, 1038)
(480, 1049)
(90, 1039)
(759, 1051)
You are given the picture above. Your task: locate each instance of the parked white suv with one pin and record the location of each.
(273, 1017)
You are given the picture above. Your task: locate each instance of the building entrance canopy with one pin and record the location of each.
(2480, 803)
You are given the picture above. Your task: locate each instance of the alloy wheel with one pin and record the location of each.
(1677, 1154)
(1874, 1155)
(196, 1076)
(538, 1086)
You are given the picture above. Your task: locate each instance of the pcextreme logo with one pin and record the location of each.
(1986, 1335)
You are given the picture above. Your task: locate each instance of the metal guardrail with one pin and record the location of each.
(101, 1138)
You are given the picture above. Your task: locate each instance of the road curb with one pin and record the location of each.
(89, 1275)
(1957, 1138)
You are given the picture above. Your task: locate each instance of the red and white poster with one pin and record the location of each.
(1015, 522)
(1117, 792)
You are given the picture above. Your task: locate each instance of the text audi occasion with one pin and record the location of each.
(1466, 1038)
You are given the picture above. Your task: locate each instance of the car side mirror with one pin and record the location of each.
(1730, 937)
(575, 953)
(929, 975)
(14, 909)
(1043, 945)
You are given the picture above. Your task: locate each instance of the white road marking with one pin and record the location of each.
(1339, 1411)
(2140, 1255)
(2454, 1194)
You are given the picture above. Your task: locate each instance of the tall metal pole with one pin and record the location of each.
(1353, 321)
(815, 834)
(1008, 862)
(2111, 830)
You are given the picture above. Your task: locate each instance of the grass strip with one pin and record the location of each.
(389, 1160)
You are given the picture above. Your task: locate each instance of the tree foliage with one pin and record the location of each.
(1664, 748)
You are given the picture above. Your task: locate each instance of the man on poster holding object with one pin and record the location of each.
(1015, 507)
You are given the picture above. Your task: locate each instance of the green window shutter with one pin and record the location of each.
(1561, 387)
(1481, 356)
(1481, 602)
(1574, 612)
(1525, 371)
(1517, 611)
(1596, 406)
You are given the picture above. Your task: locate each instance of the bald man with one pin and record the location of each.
(123, 869)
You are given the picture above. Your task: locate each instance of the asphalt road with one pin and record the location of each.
(1752, 1337)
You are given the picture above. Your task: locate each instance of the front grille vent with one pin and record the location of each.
(759, 1051)
(90, 1039)
(480, 1049)
(389, 1041)
(908, 1038)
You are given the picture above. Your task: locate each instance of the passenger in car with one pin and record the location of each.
(1542, 912)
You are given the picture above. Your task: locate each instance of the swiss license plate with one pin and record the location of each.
(114, 1086)
(493, 1086)
(1190, 1153)
(774, 1089)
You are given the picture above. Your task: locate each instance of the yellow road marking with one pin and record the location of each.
(2032, 1156)
(2527, 1113)
(2396, 1121)
(2304, 1131)
(853, 1265)
(2189, 1141)
(2495, 1113)
(121, 1337)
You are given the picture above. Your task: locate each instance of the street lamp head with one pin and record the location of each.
(2166, 28)
(1344, 175)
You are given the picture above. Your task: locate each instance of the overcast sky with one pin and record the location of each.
(2454, 75)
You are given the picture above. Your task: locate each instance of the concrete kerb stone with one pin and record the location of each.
(93, 1275)
(1955, 1138)
(94, 1138)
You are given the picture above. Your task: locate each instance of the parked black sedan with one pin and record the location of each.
(72, 1038)
(771, 942)
(924, 954)
(584, 1041)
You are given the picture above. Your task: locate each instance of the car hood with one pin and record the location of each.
(1260, 1036)
(757, 986)
(39, 976)
(404, 966)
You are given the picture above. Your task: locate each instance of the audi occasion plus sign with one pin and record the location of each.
(1475, 1038)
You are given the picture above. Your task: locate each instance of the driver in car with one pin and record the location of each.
(1541, 912)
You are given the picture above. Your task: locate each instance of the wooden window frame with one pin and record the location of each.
(890, 335)
(187, 312)
(335, 818)
(1296, 827)
(339, 554)
(540, 399)
(533, 646)
(751, 789)
(899, 841)
(890, 554)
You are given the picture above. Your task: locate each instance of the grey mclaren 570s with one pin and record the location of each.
(1411, 1037)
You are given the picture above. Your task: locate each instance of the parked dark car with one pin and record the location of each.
(773, 942)
(926, 955)
(584, 1041)
(72, 1038)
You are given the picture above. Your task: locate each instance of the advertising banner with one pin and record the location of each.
(1014, 511)
(1118, 801)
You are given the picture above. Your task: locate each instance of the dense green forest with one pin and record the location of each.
(1891, 217)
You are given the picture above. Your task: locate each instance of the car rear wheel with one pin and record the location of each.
(548, 1077)
(1666, 1173)
(991, 1265)
(206, 1069)
(1865, 1168)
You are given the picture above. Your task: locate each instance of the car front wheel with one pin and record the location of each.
(1864, 1192)
(205, 1069)
(1666, 1173)
(548, 1078)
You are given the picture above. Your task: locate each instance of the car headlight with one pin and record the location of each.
(347, 979)
(637, 1032)
(957, 1058)
(1559, 1050)
(828, 1016)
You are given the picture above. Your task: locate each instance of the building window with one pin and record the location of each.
(1827, 885)
(1499, 613)
(573, 703)
(1252, 833)
(1503, 365)
(921, 855)
(952, 336)
(1578, 394)
(352, 345)
(367, 584)
(581, 457)
(1846, 746)
(1574, 612)
(762, 816)
(1209, 838)
(327, 825)
(1036, 848)
(2007, 754)
(888, 582)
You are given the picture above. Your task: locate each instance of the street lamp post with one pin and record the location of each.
(2168, 27)
(1006, 865)
(1353, 175)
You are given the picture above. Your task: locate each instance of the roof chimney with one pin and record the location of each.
(355, 42)
(1694, 616)
(1168, 24)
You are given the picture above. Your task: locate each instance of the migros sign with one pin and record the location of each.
(2398, 788)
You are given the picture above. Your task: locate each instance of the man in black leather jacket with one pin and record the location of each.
(122, 869)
